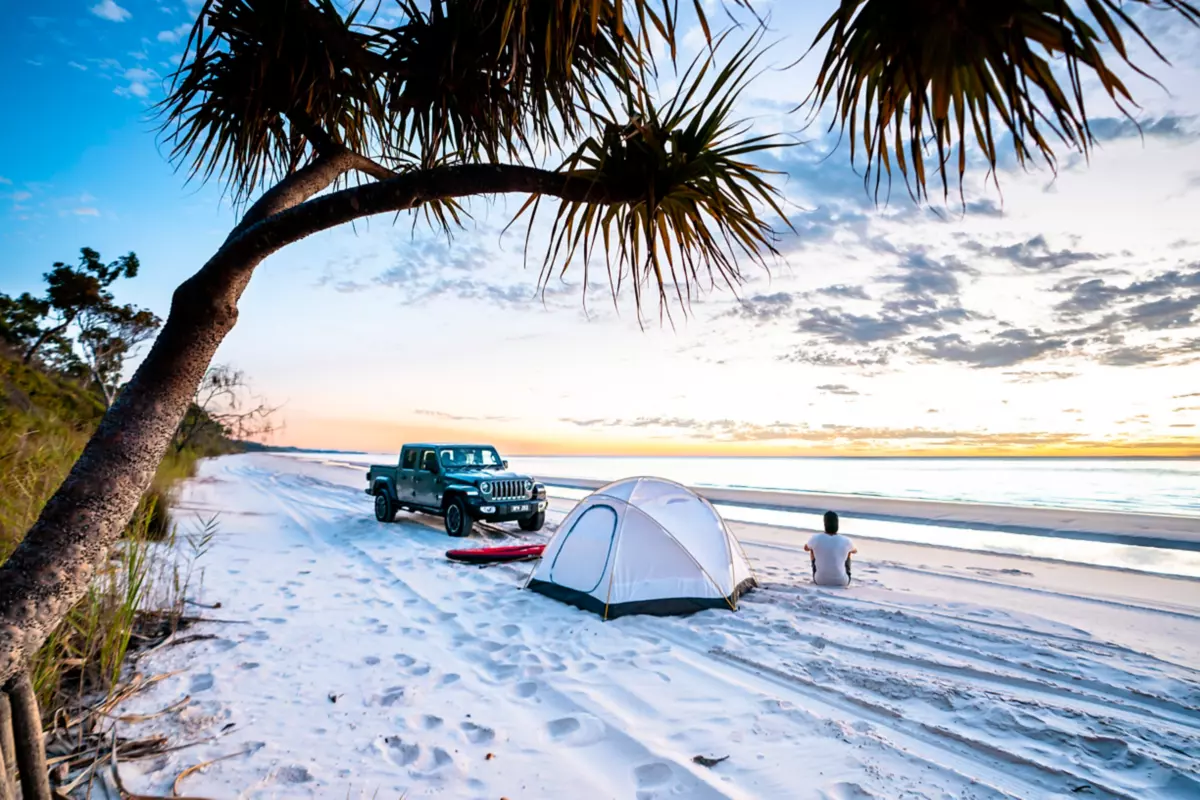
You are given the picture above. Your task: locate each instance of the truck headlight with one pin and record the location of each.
(528, 485)
(485, 487)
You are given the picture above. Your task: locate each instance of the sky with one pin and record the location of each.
(1056, 315)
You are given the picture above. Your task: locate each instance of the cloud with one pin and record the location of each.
(984, 208)
(1031, 376)
(1096, 294)
(863, 360)
(897, 320)
(725, 430)
(109, 10)
(5, 181)
(1168, 312)
(1034, 254)
(460, 418)
(1168, 300)
(86, 211)
(176, 33)
(137, 77)
(1165, 127)
(848, 292)
(1142, 355)
(1181, 396)
(838, 389)
(1004, 349)
(77, 66)
(764, 307)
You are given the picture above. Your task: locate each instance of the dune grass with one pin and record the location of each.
(138, 594)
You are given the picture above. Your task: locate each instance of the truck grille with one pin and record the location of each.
(509, 490)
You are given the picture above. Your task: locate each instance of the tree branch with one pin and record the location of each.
(407, 191)
(296, 188)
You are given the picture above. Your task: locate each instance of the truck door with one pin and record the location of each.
(425, 479)
(406, 488)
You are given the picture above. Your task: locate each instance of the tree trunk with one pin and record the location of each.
(41, 340)
(30, 743)
(8, 755)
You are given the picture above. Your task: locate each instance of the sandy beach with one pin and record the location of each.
(354, 660)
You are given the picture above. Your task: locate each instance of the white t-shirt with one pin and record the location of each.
(831, 552)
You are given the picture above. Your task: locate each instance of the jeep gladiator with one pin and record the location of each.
(460, 483)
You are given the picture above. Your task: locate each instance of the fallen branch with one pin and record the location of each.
(197, 767)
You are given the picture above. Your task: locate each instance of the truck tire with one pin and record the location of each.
(458, 520)
(385, 509)
(533, 523)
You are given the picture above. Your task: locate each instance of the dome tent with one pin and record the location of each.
(643, 546)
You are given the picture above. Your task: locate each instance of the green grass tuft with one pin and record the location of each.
(44, 424)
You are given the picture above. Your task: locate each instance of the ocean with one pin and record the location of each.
(1146, 486)
(1138, 486)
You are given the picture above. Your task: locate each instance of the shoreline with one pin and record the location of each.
(1107, 527)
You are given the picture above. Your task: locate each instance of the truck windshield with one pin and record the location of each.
(465, 457)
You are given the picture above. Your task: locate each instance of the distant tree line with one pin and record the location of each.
(76, 329)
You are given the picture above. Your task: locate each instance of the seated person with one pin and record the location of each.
(830, 554)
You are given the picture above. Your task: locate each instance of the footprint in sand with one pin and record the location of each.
(391, 696)
(526, 689)
(511, 630)
(844, 790)
(449, 678)
(576, 731)
(201, 683)
(429, 722)
(293, 774)
(404, 660)
(650, 775)
(401, 753)
(419, 671)
(477, 734)
(371, 661)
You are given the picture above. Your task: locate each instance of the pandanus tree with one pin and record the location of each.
(310, 116)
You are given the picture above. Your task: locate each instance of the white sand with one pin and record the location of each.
(938, 673)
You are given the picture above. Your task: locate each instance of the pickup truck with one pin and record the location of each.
(461, 483)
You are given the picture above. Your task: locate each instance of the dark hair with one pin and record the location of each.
(831, 522)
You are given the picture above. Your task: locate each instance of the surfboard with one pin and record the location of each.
(495, 555)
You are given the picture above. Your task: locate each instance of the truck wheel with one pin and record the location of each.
(458, 521)
(533, 523)
(384, 510)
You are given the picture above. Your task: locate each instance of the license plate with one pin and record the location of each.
(517, 509)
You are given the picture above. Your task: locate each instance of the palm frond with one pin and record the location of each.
(486, 79)
(699, 201)
(256, 75)
(912, 79)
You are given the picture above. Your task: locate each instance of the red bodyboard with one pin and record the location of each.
(495, 555)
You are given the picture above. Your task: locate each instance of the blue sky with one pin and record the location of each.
(1061, 315)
